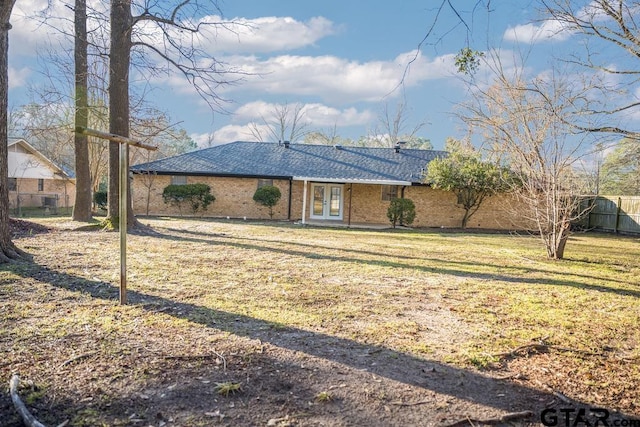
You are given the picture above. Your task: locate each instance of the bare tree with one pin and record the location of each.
(46, 126)
(611, 32)
(524, 122)
(328, 136)
(394, 127)
(169, 22)
(284, 123)
(8, 250)
(46, 121)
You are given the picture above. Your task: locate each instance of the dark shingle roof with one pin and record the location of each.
(315, 162)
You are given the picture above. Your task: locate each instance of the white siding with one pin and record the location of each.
(24, 165)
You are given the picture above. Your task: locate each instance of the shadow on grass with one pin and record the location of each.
(468, 386)
(308, 252)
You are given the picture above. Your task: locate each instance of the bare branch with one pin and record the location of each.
(612, 24)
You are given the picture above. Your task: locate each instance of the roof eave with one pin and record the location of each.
(352, 180)
(204, 173)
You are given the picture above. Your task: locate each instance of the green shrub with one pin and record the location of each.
(196, 196)
(100, 199)
(401, 211)
(268, 196)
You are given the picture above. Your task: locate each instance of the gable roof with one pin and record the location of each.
(299, 162)
(30, 149)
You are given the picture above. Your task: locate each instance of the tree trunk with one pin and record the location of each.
(561, 240)
(465, 218)
(561, 246)
(82, 207)
(120, 58)
(8, 250)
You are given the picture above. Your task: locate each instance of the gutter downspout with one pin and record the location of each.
(350, 199)
(304, 201)
(290, 191)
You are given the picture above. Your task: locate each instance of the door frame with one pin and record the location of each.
(326, 211)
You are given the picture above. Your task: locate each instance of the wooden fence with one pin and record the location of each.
(618, 214)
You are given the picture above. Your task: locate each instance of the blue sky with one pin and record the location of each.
(342, 60)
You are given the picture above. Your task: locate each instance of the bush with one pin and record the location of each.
(196, 196)
(401, 211)
(268, 196)
(100, 199)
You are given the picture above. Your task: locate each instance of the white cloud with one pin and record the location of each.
(549, 30)
(28, 31)
(334, 79)
(267, 34)
(315, 115)
(227, 133)
(249, 116)
(328, 78)
(240, 35)
(553, 29)
(233, 36)
(321, 115)
(18, 78)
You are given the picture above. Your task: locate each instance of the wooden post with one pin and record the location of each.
(124, 181)
(124, 184)
(618, 208)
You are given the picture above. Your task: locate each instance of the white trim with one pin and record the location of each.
(352, 181)
(304, 201)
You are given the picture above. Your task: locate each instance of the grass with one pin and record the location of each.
(227, 388)
(40, 212)
(455, 298)
(324, 397)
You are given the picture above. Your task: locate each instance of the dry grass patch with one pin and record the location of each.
(463, 299)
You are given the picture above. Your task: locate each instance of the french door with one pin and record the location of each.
(327, 201)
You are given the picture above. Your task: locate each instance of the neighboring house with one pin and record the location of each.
(345, 185)
(35, 181)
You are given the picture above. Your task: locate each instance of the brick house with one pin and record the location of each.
(35, 181)
(319, 183)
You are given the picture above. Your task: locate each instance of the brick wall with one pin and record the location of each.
(30, 196)
(234, 197)
(362, 203)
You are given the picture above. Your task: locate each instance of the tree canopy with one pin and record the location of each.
(464, 173)
(620, 172)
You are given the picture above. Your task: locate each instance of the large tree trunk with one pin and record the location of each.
(82, 207)
(120, 58)
(8, 251)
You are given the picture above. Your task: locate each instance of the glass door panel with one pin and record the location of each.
(327, 201)
(335, 205)
(318, 201)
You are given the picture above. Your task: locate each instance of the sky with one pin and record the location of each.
(343, 61)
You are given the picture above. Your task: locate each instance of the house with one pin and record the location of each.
(35, 181)
(338, 184)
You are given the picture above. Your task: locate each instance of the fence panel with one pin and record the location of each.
(620, 214)
(629, 218)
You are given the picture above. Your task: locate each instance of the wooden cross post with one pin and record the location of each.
(124, 180)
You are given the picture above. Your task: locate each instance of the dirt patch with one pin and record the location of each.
(20, 228)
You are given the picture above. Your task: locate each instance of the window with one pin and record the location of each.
(178, 180)
(41, 184)
(13, 184)
(264, 182)
(389, 192)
